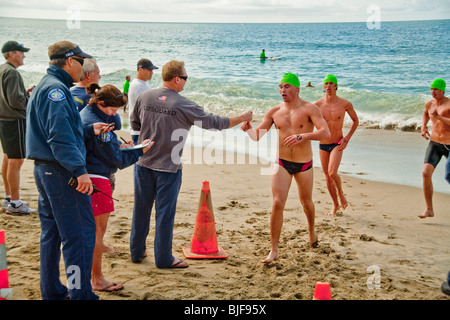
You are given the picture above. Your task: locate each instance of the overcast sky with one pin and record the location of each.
(242, 11)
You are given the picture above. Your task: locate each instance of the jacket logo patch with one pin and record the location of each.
(105, 137)
(56, 95)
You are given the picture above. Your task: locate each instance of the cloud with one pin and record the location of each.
(228, 10)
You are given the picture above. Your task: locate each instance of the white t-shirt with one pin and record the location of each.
(137, 86)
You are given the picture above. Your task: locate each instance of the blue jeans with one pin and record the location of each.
(135, 138)
(66, 218)
(162, 188)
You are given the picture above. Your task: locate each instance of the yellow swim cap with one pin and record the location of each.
(290, 78)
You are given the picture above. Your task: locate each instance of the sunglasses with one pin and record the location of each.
(183, 77)
(81, 61)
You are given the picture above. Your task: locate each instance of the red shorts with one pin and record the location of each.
(100, 203)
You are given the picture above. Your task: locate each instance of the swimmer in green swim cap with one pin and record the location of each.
(295, 120)
(289, 87)
(291, 79)
(334, 110)
(438, 84)
(436, 110)
(330, 78)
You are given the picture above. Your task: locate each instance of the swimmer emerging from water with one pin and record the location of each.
(333, 109)
(439, 144)
(295, 120)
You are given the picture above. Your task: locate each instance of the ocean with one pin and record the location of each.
(385, 73)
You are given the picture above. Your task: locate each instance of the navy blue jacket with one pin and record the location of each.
(54, 130)
(103, 153)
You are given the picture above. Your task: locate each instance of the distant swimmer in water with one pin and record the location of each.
(309, 85)
(262, 56)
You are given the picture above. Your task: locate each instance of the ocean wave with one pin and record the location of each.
(35, 67)
(388, 122)
(382, 110)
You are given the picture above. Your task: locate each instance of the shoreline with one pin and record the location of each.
(380, 155)
(380, 229)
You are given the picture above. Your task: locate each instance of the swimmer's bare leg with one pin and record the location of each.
(305, 181)
(427, 174)
(281, 182)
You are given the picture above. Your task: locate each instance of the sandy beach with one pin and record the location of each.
(379, 231)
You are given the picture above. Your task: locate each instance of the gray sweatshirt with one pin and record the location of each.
(13, 95)
(165, 117)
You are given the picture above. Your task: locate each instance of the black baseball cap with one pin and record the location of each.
(14, 46)
(147, 65)
(72, 52)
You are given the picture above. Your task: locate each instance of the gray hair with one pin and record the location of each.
(88, 66)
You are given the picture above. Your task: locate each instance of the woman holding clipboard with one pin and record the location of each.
(105, 154)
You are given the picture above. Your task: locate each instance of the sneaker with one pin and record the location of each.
(21, 210)
(445, 288)
(5, 204)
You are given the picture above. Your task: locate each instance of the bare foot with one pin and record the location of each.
(335, 209)
(427, 213)
(344, 203)
(108, 249)
(106, 286)
(273, 256)
(313, 240)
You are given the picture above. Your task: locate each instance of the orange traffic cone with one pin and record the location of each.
(4, 283)
(204, 241)
(322, 291)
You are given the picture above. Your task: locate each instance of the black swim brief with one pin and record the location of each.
(294, 167)
(435, 151)
(328, 147)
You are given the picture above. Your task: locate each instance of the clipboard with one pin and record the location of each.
(139, 146)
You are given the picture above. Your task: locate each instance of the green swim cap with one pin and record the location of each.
(330, 78)
(438, 84)
(290, 78)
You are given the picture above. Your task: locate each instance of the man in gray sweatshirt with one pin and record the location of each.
(165, 117)
(13, 106)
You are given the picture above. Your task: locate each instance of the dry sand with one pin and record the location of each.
(379, 230)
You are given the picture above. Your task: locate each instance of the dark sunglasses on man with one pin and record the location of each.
(80, 60)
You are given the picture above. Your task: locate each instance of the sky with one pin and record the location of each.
(223, 11)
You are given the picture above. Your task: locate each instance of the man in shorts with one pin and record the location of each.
(295, 120)
(439, 139)
(13, 106)
(333, 109)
